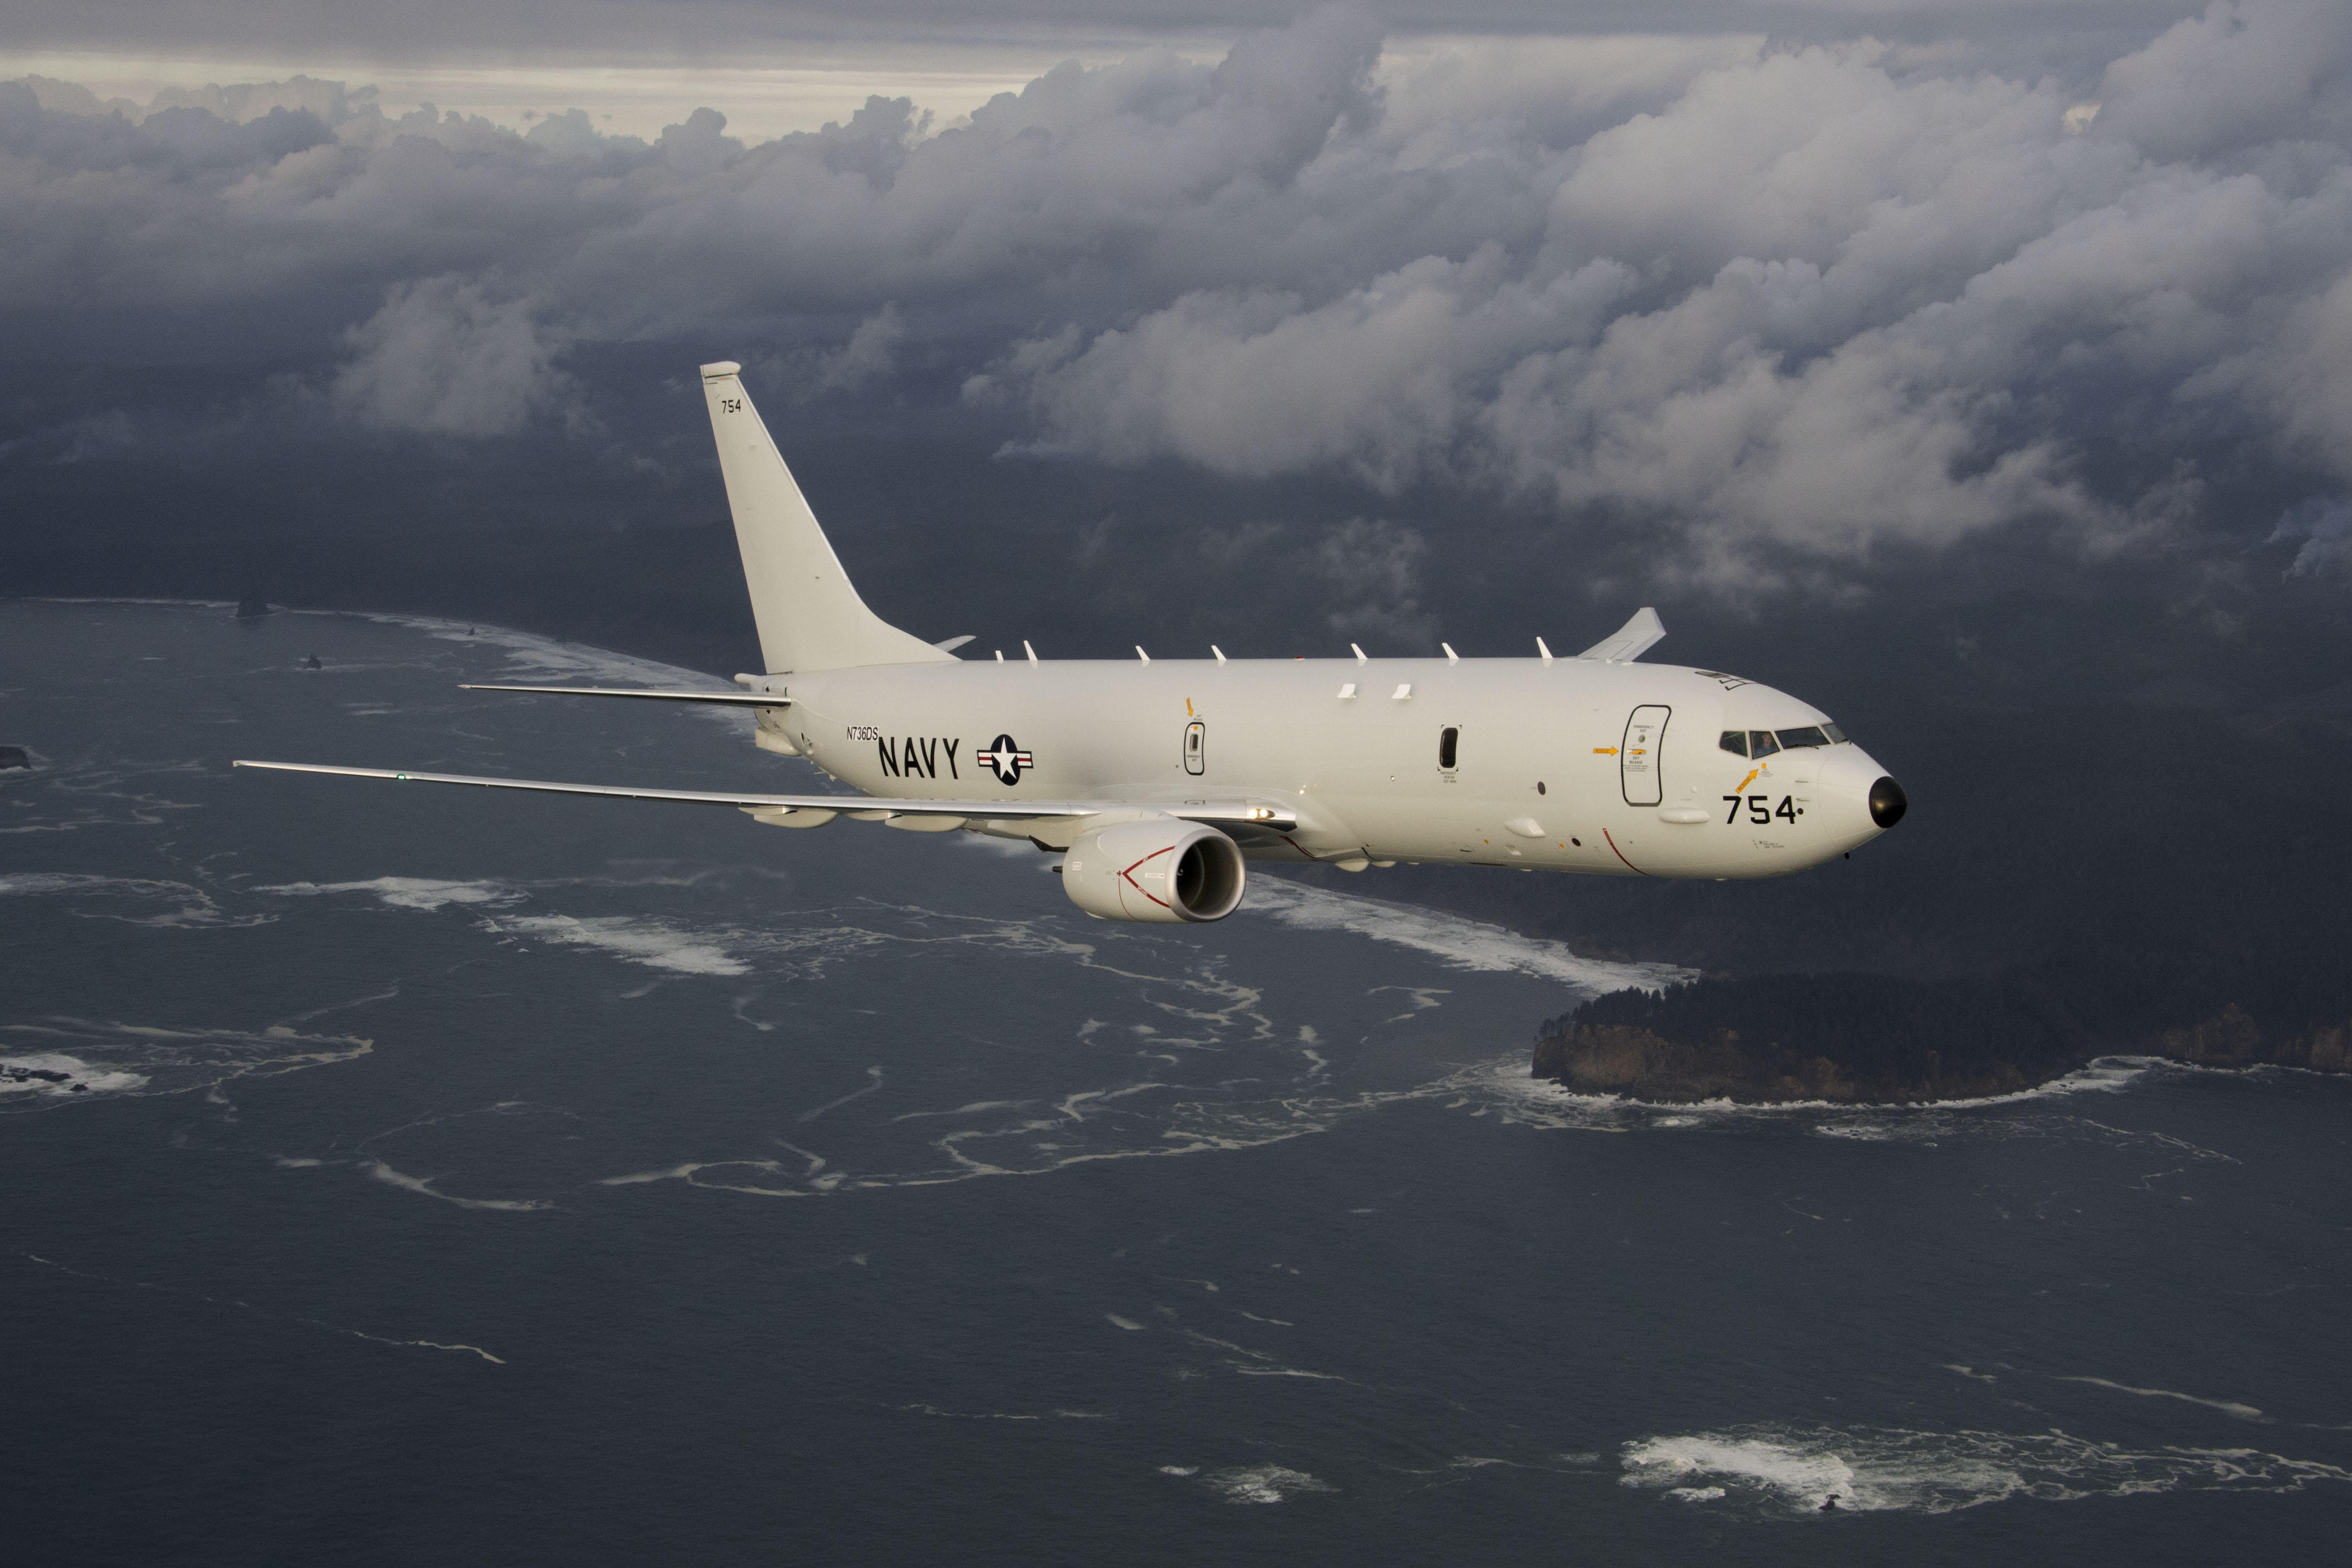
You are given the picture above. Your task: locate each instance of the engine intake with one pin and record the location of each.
(1157, 869)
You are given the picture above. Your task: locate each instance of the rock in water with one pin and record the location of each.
(312, 663)
(251, 609)
(14, 757)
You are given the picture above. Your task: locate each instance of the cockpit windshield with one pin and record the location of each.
(1764, 742)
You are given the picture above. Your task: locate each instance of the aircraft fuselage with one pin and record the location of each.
(1570, 765)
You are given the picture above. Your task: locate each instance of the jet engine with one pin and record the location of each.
(1158, 869)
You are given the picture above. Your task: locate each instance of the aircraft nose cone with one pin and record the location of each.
(1887, 802)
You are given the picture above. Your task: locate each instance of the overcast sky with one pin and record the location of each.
(1785, 287)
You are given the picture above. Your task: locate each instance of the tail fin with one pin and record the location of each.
(809, 618)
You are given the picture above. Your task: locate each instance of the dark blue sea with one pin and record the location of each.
(403, 1175)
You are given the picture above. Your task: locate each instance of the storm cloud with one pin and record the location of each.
(1805, 300)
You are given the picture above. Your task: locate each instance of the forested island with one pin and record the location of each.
(1876, 1040)
(2157, 883)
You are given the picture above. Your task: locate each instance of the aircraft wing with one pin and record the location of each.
(1629, 642)
(730, 699)
(823, 807)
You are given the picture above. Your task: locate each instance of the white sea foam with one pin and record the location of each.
(872, 1086)
(537, 660)
(414, 1343)
(52, 1075)
(110, 1057)
(1506, 1087)
(187, 907)
(653, 943)
(1005, 1414)
(1795, 1472)
(1460, 943)
(67, 799)
(1260, 1484)
(424, 895)
(657, 943)
(2227, 1406)
(423, 1187)
(248, 1306)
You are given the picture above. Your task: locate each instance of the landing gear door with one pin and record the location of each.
(1637, 759)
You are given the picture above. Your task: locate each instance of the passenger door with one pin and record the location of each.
(1637, 759)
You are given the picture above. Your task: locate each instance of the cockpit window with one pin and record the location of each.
(1809, 735)
(1761, 744)
(1837, 735)
(1734, 741)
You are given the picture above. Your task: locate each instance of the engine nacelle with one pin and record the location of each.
(1156, 869)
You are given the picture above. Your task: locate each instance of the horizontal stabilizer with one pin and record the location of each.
(1629, 642)
(730, 699)
(868, 807)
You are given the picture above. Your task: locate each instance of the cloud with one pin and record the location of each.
(869, 356)
(447, 356)
(2244, 73)
(1817, 301)
(1372, 568)
(1761, 300)
(2324, 524)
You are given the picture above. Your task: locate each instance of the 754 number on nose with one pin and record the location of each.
(1761, 810)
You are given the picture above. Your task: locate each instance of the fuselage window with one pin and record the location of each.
(1734, 741)
(1809, 735)
(1761, 744)
(1448, 743)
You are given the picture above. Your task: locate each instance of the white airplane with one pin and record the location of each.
(1156, 780)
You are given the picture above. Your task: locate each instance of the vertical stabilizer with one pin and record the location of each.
(809, 618)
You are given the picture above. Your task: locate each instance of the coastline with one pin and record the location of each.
(1636, 1064)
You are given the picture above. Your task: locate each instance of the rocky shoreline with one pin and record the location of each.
(1639, 1063)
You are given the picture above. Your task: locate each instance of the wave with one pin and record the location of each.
(248, 1307)
(66, 798)
(1461, 943)
(635, 939)
(1767, 1472)
(2227, 1406)
(111, 1059)
(191, 909)
(52, 1075)
(538, 659)
(424, 895)
(1257, 1483)
(424, 1188)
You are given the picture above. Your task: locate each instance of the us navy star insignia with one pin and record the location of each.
(1005, 759)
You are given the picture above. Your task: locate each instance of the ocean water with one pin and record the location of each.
(401, 1173)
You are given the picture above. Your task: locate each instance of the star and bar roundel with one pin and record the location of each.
(1006, 760)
